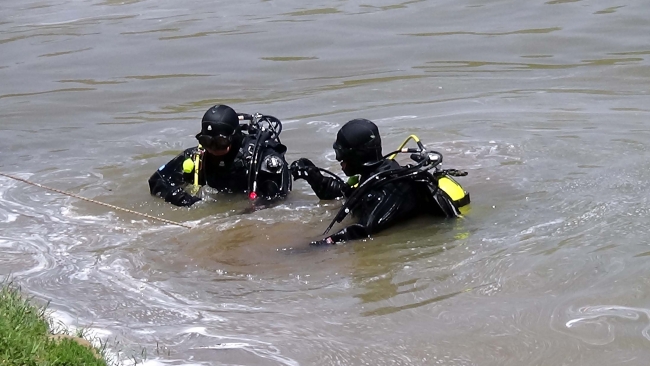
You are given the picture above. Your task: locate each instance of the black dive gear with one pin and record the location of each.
(255, 163)
(267, 131)
(218, 142)
(388, 193)
(419, 173)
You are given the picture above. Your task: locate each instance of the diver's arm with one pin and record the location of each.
(168, 182)
(379, 210)
(352, 232)
(326, 188)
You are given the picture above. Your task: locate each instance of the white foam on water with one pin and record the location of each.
(7, 217)
(393, 119)
(39, 253)
(597, 324)
(227, 346)
(290, 121)
(534, 228)
(325, 126)
(63, 321)
(158, 362)
(258, 348)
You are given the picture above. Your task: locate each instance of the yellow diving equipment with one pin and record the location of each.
(353, 181)
(411, 137)
(188, 166)
(454, 190)
(193, 164)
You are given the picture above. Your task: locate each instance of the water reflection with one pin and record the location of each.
(313, 12)
(65, 90)
(64, 52)
(521, 31)
(454, 66)
(92, 82)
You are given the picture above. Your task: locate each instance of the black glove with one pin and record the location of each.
(304, 169)
(179, 197)
(352, 232)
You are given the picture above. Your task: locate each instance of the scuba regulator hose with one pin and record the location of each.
(265, 128)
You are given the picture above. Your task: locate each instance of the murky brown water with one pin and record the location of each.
(544, 103)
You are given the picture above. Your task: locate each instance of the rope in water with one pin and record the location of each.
(94, 201)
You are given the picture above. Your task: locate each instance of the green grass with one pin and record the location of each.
(26, 339)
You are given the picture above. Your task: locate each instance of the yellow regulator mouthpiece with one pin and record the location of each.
(188, 166)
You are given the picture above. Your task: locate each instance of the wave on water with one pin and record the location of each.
(601, 324)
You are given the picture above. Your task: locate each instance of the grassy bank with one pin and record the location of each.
(26, 338)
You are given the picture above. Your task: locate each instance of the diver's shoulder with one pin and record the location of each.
(387, 164)
(190, 151)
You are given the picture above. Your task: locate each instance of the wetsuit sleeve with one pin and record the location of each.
(169, 181)
(327, 188)
(379, 210)
(352, 232)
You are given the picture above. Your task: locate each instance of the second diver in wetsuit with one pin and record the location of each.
(380, 191)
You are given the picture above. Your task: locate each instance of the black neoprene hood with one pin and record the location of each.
(219, 120)
(358, 133)
(358, 142)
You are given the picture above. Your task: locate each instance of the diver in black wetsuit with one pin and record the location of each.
(391, 193)
(230, 157)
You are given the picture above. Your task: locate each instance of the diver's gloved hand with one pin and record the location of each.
(304, 169)
(352, 232)
(179, 197)
(325, 241)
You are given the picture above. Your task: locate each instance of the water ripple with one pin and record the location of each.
(202, 339)
(600, 324)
